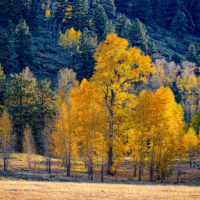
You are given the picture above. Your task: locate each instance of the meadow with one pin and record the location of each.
(25, 190)
(22, 183)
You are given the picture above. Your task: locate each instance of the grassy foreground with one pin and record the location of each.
(25, 190)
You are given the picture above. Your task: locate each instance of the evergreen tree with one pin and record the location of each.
(179, 24)
(88, 45)
(192, 53)
(195, 123)
(109, 28)
(123, 26)
(109, 7)
(44, 109)
(140, 37)
(142, 10)
(20, 101)
(33, 16)
(80, 14)
(2, 88)
(23, 42)
(6, 53)
(99, 20)
(60, 11)
(124, 7)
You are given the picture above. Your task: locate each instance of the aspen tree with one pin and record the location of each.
(5, 137)
(117, 66)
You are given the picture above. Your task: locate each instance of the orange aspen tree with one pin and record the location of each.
(89, 114)
(117, 67)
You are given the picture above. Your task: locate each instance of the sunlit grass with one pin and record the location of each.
(23, 190)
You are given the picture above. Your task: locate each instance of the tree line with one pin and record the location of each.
(127, 108)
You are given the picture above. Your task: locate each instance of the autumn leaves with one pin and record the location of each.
(102, 120)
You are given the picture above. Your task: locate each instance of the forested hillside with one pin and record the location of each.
(99, 80)
(160, 29)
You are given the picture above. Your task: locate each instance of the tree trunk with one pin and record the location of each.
(162, 178)
(152, 165)
(5, 164)
(190, 161)
(178, 172)
(140, 167)
(110, 150)
(68, 168)
(49, 165)
(110, 161)
(29, 160)
(102, 162)
(102, 178)
(135, 170)
(69, 135)
(90, 170)
(140, 173)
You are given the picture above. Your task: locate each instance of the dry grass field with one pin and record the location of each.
(25, 190)
(22, 183)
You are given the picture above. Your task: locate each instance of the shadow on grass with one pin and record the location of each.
(10, 175)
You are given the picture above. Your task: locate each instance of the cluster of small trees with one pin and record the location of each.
(106, 118)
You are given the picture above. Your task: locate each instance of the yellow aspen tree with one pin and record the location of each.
(134, 150)
(117, 67)
(87, 105)
(70, 40)
(28, 144)
(163, 125)
(141, 124)
(63, 136)
(5, 137)
(191, 140)
(188, 84)
(169, 150)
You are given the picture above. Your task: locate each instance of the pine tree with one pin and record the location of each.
(99, 20)
(2, 89)
(179, 24)
(140, 37)
(195, 122)
(80, 14)
(23, 42)
(192, 53)
(61, 13)
(123, 26)
(45, 108)
(142, 10)
(88, 45)
(109, 28)
(33, 16)
(6, 53)
(109, 7)
(21, 102)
